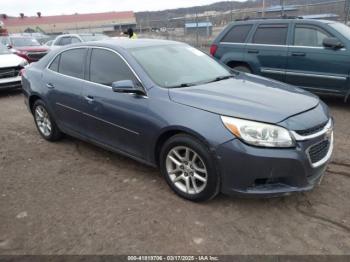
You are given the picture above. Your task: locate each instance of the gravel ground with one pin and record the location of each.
(71, 197)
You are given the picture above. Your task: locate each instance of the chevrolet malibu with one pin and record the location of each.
(169, 105)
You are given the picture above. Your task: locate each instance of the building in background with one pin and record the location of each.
(77, 23)
(200, 28)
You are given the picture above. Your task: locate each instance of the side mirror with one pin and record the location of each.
(127, 86)
(332, 42)
(9, 46)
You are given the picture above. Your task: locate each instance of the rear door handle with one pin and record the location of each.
(253, 51)
(298, 54)
(50, 86)
(90, 99)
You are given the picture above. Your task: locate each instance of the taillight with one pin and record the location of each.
(213, 49)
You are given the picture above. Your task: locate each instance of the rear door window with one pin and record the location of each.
(238, 34)
(271, 34)
(72, 62)
(305, 35)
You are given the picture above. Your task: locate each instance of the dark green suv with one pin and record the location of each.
(312, 54)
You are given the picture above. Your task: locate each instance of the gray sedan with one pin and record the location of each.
(167, 104)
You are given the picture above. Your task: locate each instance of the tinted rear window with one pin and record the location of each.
(237, 34)
(271, 34)
(72, 63)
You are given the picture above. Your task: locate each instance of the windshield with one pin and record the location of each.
(4, 50)
(87, 38)
(19, 42)
(341, 28)
(49, 43)
(178, 65)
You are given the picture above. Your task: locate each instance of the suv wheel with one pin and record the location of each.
(189, 168)
(242, 68)
(44, 122)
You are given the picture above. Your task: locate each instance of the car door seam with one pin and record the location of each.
(100, 119)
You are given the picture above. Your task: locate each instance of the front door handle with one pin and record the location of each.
(50, 86)
(90, 99)
(298, 54)
(253, 51)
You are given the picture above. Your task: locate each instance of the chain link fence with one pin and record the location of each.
(199, 29)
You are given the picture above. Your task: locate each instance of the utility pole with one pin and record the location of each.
(347, 10)
(231, 8)
(263, 9)
(197, 33)
(282, 8)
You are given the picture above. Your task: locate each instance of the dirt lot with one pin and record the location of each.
(74, 198)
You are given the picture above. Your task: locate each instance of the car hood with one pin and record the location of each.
(248, 97)
(32, 48)
(10, 60)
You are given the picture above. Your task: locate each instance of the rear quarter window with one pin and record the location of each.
(237, 34)
(55, 64)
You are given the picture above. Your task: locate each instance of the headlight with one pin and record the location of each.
(257, 133)
(24, 63)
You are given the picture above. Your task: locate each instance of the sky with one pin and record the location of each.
(58, 7)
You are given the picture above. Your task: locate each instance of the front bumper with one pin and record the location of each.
(10, 83)
(267, 172)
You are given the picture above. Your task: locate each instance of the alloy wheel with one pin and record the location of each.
(43, 120)
(186, 170)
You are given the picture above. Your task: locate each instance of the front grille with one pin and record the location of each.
(319, 151)
(36, 55)
(312, 130)
(9, 72)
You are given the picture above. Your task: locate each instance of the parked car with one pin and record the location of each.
(48, 43)
(168, 104)
(10, 69)
(67, 39)
(27, 47)
(312, 54)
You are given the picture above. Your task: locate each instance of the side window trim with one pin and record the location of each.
(88, 56)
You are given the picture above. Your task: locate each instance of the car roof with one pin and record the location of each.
(128, 43)
(281, 20)
(22, 36)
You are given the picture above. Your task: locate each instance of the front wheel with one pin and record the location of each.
(189, 169)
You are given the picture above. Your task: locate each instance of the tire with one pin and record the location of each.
(242, 68)
(44, 122)
(192, 178)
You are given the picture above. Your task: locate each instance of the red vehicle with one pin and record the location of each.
(27, 47)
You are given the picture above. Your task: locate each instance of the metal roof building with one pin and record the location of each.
(64, 23)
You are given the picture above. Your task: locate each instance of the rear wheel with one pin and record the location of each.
(189, 168)
(242, 68)
(44, 122)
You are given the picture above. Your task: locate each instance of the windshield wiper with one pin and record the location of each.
(183, 85)
(219, 78)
